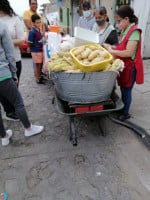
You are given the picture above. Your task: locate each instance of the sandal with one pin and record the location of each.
(3, 196)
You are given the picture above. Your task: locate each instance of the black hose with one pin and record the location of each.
(134, 127)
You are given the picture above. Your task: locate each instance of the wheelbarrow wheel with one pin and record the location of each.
(102, 124)
(73, 135)
(53, 100)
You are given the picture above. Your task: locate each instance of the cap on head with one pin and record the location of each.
(86, 4)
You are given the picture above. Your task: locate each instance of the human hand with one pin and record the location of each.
(106, 46)
(16, 80)
(110, 49)
(43, 34)
(41, 40)
(113, 46)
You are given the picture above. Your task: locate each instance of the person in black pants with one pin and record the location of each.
(8, 89)
(16, 31)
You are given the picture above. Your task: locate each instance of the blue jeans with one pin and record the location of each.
(127, 94)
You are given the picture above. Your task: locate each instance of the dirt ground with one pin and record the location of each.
(49, 167)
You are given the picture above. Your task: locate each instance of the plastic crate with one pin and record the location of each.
(99, 66)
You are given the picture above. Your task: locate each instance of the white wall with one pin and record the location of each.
(142, 11)
(53, 18)
(146, 46)
(110, 6)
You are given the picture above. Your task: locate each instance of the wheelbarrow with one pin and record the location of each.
(105, 108)
(85, 88)
(82, 94)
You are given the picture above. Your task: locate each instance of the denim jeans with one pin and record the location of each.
(10, 92)
(127, 94)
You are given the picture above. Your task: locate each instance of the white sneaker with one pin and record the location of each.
(5, 141)
(34, 130)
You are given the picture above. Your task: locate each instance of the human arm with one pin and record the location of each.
(27, 20)
(130, 48)
(128, 52)
(43, 30)
(30, 44)
(28, 24)
(19, 40)
(31, 38)
(9, 49)
(42, 27)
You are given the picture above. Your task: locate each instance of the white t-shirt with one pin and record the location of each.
(16, 31)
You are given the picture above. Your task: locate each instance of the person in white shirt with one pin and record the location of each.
(87, 20)
(15, 27)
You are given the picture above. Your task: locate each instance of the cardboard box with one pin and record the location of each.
(84, 36)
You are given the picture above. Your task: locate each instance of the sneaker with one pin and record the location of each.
(34, 130)
(43, 77)
(124, 117)
(40, 82)
(11, 117)
(5, 141)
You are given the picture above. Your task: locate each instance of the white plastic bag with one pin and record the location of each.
(54, 41)
(66, 44)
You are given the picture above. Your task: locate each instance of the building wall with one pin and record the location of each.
(75, 11)
(64, 15)
(110, 6)
(142, 11)
(146, 45)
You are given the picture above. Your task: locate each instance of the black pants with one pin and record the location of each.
(8, 108)
(9, 92)
(19, 69)
(2, 129)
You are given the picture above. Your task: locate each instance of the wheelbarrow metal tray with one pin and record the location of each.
(61, 108)
(89, 87)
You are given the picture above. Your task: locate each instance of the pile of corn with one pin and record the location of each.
(90, 54)
(63, 61)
